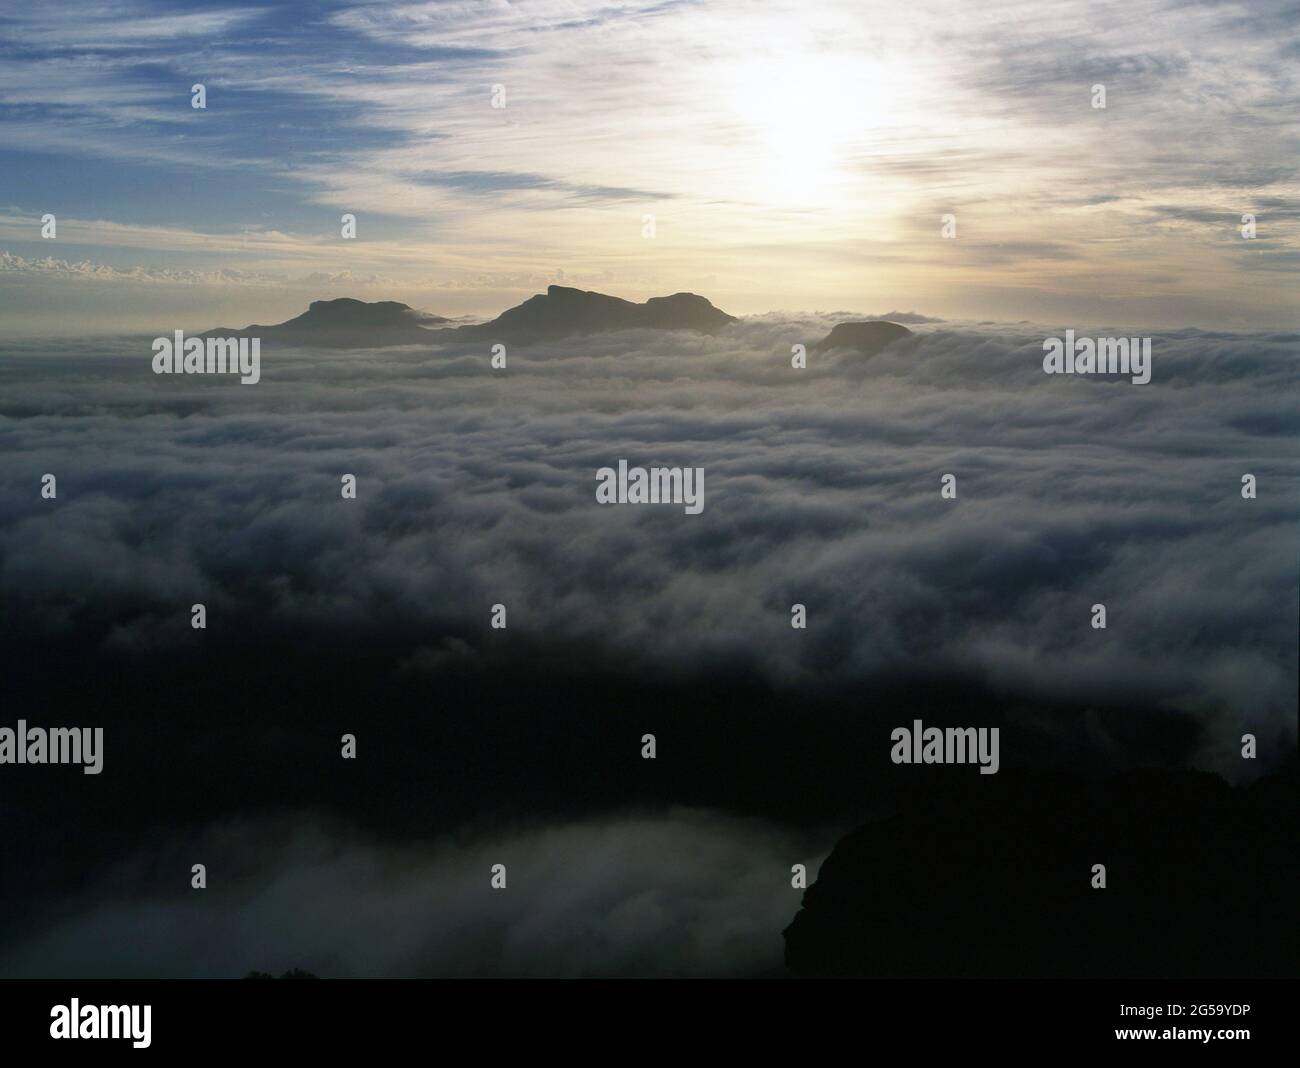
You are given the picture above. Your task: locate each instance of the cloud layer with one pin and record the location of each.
(822, 487)
(683, 893)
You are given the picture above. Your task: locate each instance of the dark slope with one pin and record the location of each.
(992, 877)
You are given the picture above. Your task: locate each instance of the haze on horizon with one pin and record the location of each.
(794, 157)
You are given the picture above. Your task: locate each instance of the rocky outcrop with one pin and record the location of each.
(866, 339)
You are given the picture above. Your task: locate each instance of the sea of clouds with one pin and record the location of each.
(821, 487)
(477, 486)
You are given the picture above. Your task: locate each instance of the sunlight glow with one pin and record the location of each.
(808, 119)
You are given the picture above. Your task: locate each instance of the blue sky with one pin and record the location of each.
(793, 155)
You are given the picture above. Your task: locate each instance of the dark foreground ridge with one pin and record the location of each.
(347, 324)
(994, 879)
(864, 338)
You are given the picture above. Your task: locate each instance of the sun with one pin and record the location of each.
(803, 119)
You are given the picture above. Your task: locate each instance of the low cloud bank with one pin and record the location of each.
(822, 487)
(685, 892)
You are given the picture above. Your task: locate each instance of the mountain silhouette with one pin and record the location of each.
(992, 877)
(864, 338)
(562, 312)
(557, 313)
(347, 323)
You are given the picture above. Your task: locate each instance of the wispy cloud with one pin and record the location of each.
(771, 142)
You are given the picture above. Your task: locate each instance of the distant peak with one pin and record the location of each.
(563, 310)
(681, 298)
(865, 338)
(337, 301)
(352, 306)
(345, 322)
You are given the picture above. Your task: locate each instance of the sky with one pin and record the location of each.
(793, 156)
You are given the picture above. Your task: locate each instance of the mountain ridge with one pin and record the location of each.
(560, 312)
(563, 311)
(346, 322)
